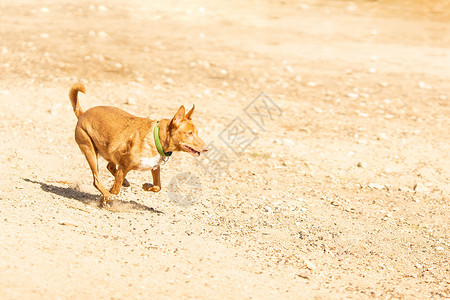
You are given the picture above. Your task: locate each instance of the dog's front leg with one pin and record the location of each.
(119, 177)
(156, 186)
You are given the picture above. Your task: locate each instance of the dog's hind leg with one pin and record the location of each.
(88, 149)
(112, 168)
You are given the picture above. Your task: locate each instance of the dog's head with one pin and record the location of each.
(183, 133)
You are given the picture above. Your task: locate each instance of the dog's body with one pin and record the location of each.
(129, 143)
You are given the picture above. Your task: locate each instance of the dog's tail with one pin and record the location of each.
(73, 95)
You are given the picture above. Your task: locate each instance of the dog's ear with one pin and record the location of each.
(189, 114)
(179, 116)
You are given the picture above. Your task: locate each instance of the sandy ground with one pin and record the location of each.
(342, 192)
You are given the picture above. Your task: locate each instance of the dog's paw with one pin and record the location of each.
(148, 187)
(125, 183)
(106, 201)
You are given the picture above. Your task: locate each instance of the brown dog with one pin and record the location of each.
(130, 143)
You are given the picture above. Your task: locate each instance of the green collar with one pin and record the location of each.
(158, 142)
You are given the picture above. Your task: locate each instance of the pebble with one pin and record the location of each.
(310, 265)
(131, 101)
(102, 34)
(382, 136)
(169, 81)
(55, 108)
(423, 85)
(67, 223)
(312, 84)
(439, 248)
(375, 186)
(372, 70)
(353, 95)
(404, 189)
(362, 114)
(304, 6)
(102, 8)
(268, 209)
(45, 35)
(362, 165)
(420, 188)
(288, 142)
(289, 69)
(383, 84)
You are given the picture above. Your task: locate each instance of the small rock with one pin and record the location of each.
(382, 136)
(362, 114)
(387, 171)
(289, 69)
(102, 34)
(131, 101)
(404, 189)
(383, 84)
(310, 265)
(304, 6)
(45, 35)
(288, 142)
(169, 81)
(44, 10)
(268, 209)
(353, 95)
(439, 248)
(319, 110)
(375, 186)
(55, 108)
(420, 188)
(67, 223)
(372, 70)
(362, 165)
(312, 84)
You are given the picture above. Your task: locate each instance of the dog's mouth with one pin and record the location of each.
(191, 150)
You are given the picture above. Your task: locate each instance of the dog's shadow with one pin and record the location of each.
(90, 199)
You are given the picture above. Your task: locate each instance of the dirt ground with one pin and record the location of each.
(342, 193)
